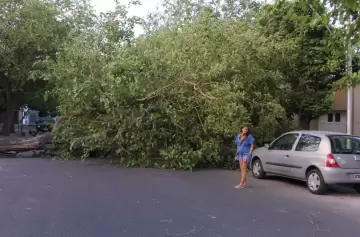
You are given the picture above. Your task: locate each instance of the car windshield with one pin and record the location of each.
(345, 144)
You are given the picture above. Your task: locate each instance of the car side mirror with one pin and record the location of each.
(267, 146)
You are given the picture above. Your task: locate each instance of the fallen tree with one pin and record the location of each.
(40, 142)
(25, 144)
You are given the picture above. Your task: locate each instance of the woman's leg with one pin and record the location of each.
(243, 168)
(243, 174)
(247, 161)
(240, 165)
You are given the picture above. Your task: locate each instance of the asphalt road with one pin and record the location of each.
(46, 198)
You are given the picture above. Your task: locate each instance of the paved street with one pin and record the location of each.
(47, 198)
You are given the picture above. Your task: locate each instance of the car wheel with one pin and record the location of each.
(257, 169)
(315, 182)
(357, 188)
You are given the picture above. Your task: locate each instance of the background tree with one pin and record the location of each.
(177, 12)
(30, 31)
(36, 96)
(345, 16)
(307, 89)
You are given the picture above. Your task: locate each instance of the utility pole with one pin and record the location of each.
(350, 99)
(350, 91)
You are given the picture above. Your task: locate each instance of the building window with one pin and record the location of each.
(337, 117)
(330, 117)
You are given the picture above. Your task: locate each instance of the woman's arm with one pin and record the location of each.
(252, 147)
(252, 142)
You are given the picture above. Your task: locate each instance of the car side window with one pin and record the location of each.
(284, 143)
(308, 143)
(356, 145)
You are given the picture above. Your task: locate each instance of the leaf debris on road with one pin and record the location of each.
(187, 233)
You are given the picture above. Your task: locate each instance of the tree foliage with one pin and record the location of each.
(29, 32)
(178, 12)
(307, 85)
(32, 31)
(172, 98)
(345, 16)
(176, 96)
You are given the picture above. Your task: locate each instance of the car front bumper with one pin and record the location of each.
(340, 176)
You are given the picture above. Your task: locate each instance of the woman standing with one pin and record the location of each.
(245, 146)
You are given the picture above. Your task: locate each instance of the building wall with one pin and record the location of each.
(327, 122)
(333, 122)
(340, 101)
(314, 125)
(340, 106)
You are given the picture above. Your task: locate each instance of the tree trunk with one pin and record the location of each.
(25, 144)
(8, 122)
(305, 122)
(10, 108)
(28, 144)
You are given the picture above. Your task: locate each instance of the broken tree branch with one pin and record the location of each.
(155, 93)
(28, 144)
(196, 88)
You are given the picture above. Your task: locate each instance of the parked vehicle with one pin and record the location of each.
(43, 125)
(317, 157)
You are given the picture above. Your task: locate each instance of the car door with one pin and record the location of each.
(305, 154)
(277, 157)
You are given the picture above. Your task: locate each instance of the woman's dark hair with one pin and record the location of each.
(243, 126)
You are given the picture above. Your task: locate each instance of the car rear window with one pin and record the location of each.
(344, 144)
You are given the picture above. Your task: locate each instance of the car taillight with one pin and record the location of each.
(331, 162)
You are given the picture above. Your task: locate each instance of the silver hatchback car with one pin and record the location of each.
(317, 157)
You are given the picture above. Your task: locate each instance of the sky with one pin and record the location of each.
(147, 5)
(140, 11)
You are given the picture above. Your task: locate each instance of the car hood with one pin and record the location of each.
(260, 151)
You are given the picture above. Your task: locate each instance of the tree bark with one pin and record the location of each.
(25, 144)
(8, 127)
(10, 108)
(29, 144)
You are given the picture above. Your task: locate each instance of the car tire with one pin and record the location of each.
(357, 188)
(315, 182)
(257, 169)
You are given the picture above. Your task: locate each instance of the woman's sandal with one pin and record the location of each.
(239, 186)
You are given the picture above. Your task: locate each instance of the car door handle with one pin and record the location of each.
(287, 156)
